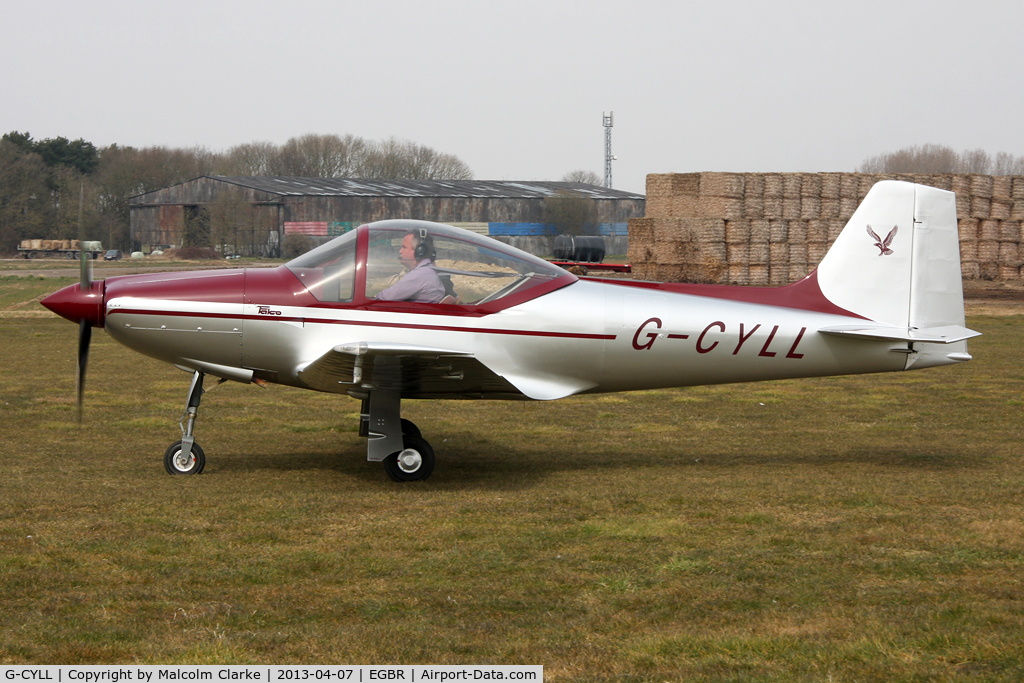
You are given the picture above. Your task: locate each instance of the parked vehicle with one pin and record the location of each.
(112, 255)
(70, 249)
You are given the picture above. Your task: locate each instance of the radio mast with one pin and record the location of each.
(608, 158)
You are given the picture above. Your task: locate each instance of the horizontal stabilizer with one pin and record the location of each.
(932, 335)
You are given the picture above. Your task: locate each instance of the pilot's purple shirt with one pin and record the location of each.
(419, 284)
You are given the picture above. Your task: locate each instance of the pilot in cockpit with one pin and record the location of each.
(420, 282)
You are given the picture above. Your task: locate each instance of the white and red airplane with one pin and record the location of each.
(513, 326)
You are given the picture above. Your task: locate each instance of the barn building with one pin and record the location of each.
(252, 215)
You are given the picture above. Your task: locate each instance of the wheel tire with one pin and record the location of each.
(174, 463)
(409, 428)
(414, 463)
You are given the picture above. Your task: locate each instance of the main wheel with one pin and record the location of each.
(177, 462)
(413, 463)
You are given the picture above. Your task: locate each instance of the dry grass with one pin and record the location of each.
(864, 528)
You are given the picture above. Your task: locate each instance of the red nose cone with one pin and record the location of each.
(76, 304)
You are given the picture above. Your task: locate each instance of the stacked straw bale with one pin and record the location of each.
(774, 228)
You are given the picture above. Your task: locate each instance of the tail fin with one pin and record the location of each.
(897, 263)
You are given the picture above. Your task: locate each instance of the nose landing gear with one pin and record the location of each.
(185, 456)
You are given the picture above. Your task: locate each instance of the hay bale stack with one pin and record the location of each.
(989, 230)
(981, 207)
(829, 208)
(791, 208)
(753, 206)
(791, 185)
(810, 185)
(1000, 209)
(760, 254)
(968, 228)
(963, 206)
(760, 231)
(753, 185)
(849, 185)
(817, 231)
(988, 251)
(1009, 272)
(728, 208)
(969, 251)
(981, 185)
(867, 181)
(739, 274)
(778, 274)
(970, 270)
(815, 252)
(778, 232)
(759, 275)
(721, 185)
(640, 230)
(1002, 187)
(737, 232)
(753, 228)
(1008, 253)
(810, 207)
(773, 185)
(847, 206)
(738, 254)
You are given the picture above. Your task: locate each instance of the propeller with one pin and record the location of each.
(84, 325)
(82, 303)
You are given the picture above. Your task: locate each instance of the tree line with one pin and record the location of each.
(942, 159)
(44, 183)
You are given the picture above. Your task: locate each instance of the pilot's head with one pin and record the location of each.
(416, 246)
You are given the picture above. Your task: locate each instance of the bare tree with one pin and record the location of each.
(320, 156)
(582, 176)
(942, 159)
(395, 158)
(251, 158)
(924, 159)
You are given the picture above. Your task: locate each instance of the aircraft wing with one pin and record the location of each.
(418, 371)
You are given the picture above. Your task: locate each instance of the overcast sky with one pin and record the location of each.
(517, 89)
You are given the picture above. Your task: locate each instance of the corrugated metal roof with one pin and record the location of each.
(475, 189)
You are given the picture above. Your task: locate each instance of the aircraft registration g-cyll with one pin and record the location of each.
(886, 297)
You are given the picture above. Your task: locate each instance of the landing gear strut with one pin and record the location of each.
(395, 441)
(185, 456)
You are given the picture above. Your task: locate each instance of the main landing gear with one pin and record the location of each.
(395, 441)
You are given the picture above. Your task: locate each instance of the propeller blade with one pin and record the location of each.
(84, 326)
(84, 337)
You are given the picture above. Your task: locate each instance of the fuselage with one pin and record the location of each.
(585, 336)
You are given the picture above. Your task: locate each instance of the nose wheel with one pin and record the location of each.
(185, 456)
(178, 461)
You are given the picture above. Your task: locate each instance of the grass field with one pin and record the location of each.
(844, 529)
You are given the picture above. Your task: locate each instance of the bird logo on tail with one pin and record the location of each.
(883, 245)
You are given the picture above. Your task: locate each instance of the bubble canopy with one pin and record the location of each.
(476, 271)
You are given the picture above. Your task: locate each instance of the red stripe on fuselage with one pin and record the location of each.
(366, 323)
